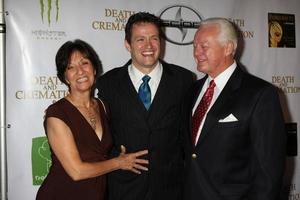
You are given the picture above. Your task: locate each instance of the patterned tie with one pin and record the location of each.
(145, 92)
(201, 109)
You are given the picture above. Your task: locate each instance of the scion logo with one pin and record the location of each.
(47, 12)
(41, 159)
(181, 23)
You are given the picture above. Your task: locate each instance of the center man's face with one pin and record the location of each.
(144, 46)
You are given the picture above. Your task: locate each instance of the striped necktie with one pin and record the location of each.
(201, 109)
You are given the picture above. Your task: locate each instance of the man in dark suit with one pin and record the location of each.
(145, 114)
(235, 135)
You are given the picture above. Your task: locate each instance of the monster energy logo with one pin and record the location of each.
(49, 5)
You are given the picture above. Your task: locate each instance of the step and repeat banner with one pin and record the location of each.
(269, 33)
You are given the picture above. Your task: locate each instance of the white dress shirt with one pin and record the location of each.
(220, 82)
(136, 78)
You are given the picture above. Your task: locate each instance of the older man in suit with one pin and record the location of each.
(144, 98)
(235, 135)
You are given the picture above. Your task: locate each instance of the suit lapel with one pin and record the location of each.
(197, 90)
(162, 96)
(213, 115)
(130, 94)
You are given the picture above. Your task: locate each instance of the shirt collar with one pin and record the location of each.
(223, 77)
(137, 75)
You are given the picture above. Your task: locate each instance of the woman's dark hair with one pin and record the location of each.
(63, 56)
(142, 17)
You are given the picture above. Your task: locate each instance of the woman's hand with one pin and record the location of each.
(131, 162)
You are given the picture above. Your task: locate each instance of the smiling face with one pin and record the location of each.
(144, 46)
(212, 56)
(80, 73)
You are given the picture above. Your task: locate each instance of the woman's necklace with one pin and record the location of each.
(91, 117)
(88, 112)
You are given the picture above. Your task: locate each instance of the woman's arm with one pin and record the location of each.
(62, 143)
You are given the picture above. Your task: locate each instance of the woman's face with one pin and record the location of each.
(80, 73)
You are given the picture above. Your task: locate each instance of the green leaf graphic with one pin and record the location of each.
(40, 159)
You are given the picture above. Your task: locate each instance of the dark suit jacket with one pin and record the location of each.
(157, 130)
(239, 160)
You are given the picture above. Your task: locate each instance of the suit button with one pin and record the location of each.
(194, 155)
